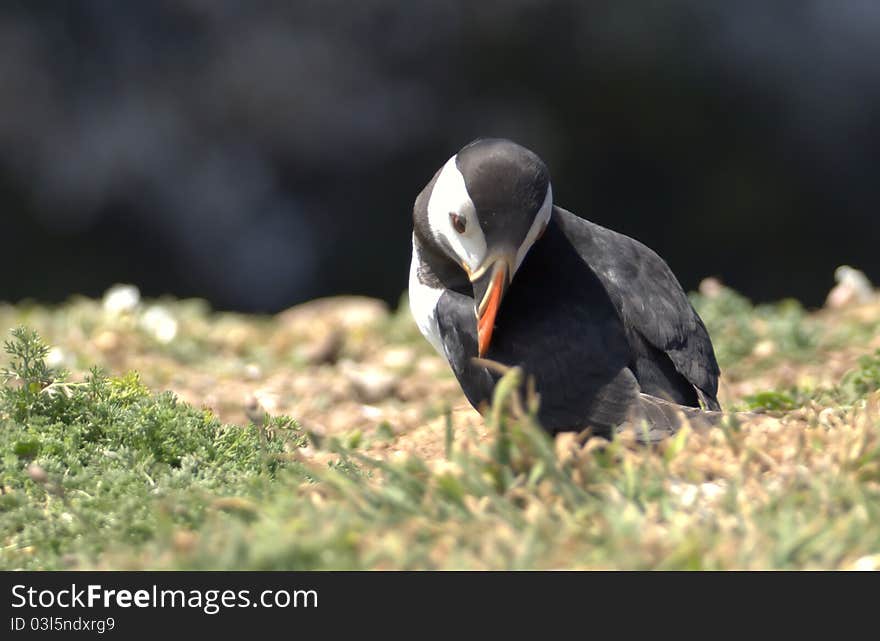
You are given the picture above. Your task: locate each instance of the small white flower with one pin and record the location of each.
(121, 299)
(160, 324)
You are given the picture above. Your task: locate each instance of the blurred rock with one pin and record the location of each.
(869, 563)
(255, 412)
(260, 405)
(184, 541)
(371, 412)
(160, 324)
(37, 473)
(345, 312)
(711, 287)
(412, 388)
(69, 561)
(398, 358)
(323, 350)
(121, 299)
(852, 287)
(370, 384)
(253, 372)
(764, 348)
(431, 366)
(315, 430)
(107, 341)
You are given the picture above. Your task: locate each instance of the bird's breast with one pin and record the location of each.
(423, 300)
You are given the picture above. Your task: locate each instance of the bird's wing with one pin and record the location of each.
(458, 333)
(649, 299)
(581, 383)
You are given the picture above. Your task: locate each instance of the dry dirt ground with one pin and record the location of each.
(324, 363)
(795, 485)
(348, 367)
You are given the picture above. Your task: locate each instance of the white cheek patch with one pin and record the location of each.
(450, 195)
(537, 228)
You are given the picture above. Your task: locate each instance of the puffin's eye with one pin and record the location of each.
(459, 222)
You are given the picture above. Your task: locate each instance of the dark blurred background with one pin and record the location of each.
(259, 154)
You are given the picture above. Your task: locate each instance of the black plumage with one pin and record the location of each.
(595, 317)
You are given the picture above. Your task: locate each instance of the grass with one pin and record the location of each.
(100, 472)
(81, 460)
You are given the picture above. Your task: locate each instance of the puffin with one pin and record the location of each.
(502, 275)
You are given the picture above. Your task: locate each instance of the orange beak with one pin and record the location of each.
(489, 289)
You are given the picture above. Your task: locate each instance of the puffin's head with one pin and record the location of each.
(485, 209)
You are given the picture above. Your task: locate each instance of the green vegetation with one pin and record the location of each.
(105, 456)
(99, 472)
(854, 386)
(782, 329)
